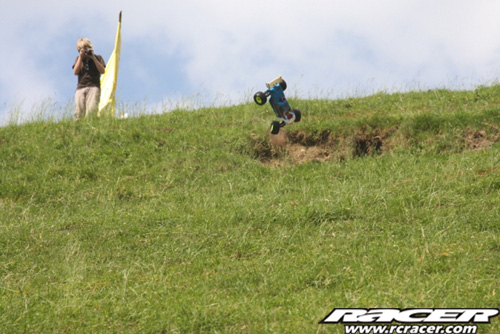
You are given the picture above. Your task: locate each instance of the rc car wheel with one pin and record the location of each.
(298, 115)
(283, 85)
(275, 127)
(260, 98)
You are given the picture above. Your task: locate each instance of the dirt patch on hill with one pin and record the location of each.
(298, 147)
(478, 140)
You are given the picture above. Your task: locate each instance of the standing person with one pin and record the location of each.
(89, 67)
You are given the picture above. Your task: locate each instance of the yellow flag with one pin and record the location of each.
(107, 102)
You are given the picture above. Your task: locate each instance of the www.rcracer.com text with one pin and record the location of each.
(410, 329)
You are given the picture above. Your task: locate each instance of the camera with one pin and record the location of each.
(88, 52)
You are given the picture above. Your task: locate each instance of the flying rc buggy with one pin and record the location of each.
(280, 105)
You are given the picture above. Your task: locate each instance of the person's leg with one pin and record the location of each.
(93, 96)
(80, 103)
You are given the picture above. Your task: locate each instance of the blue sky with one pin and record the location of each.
(220, 52)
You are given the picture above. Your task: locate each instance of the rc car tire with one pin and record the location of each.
(260, 98)
(283, 85)
(298, 115)
(275, 127)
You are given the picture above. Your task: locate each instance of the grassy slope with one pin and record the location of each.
(173, 224)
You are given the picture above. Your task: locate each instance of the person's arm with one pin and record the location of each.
(100, 67)
(79, 64)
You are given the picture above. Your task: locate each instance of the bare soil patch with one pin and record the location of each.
(478, 140)
(295, 147)
(299, 147)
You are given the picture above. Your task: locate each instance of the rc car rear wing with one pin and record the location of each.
(274, 82)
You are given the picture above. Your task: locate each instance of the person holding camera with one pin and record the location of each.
(88, 67)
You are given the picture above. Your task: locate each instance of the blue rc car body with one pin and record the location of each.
(281, 107)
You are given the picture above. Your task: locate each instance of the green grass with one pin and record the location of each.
(192, 222)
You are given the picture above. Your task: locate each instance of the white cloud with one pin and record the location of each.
(222, 47)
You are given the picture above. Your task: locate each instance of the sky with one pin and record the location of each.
(194, 53)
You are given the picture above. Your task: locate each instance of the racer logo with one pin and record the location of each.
(413, 316)
(424, 320)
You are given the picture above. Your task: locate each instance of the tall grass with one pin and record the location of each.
(175, 223)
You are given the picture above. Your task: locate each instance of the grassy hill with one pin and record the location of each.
(199, 222)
